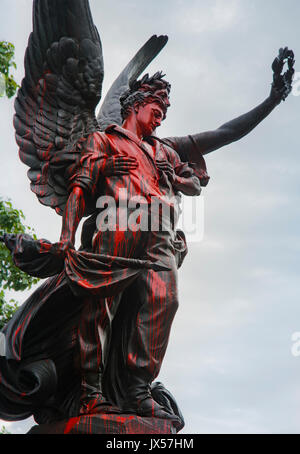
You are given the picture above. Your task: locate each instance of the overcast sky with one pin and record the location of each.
(229, 362)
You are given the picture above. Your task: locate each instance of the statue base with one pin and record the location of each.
(106, 424)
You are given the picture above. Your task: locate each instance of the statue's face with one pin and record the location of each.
(149, 117)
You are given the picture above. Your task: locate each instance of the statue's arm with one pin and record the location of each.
(86, 182)
(73, 213)
(188, 186)
(239, 127)
(235, 129)
(206, 142)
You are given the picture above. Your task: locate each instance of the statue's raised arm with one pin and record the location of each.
(191, 148)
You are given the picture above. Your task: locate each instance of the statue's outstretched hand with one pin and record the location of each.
(282, 83)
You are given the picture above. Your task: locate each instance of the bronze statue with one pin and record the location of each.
(91, 340)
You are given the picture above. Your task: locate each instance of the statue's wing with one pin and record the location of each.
(110, 111)
(55, 105)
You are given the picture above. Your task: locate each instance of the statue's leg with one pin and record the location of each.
(157, 292)
(94, 334)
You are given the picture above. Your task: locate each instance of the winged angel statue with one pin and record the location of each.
(91, 339)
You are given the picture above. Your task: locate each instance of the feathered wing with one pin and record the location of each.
(110, 111)
(55, 105)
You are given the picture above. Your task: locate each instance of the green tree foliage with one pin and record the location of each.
(11, 278)
(4, 431)
(7, 51)
(11, 219)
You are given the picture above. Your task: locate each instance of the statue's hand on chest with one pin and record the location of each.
(119, 165)
(166, 170)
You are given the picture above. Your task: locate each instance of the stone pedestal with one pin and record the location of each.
(107, 424)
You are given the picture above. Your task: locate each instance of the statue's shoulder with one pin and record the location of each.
(166, 148)
(97, 141)
(108, 135)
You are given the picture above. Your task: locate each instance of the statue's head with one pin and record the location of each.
(145, 91)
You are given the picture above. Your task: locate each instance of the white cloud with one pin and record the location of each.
(213, 15)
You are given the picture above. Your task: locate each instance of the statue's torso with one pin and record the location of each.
(144, 209)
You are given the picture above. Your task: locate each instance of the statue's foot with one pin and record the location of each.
(140, 401)
(96, 403)
(148, 407)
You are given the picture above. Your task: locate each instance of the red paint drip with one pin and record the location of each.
(71, 424)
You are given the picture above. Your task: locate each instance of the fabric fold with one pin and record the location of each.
(86, 273)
